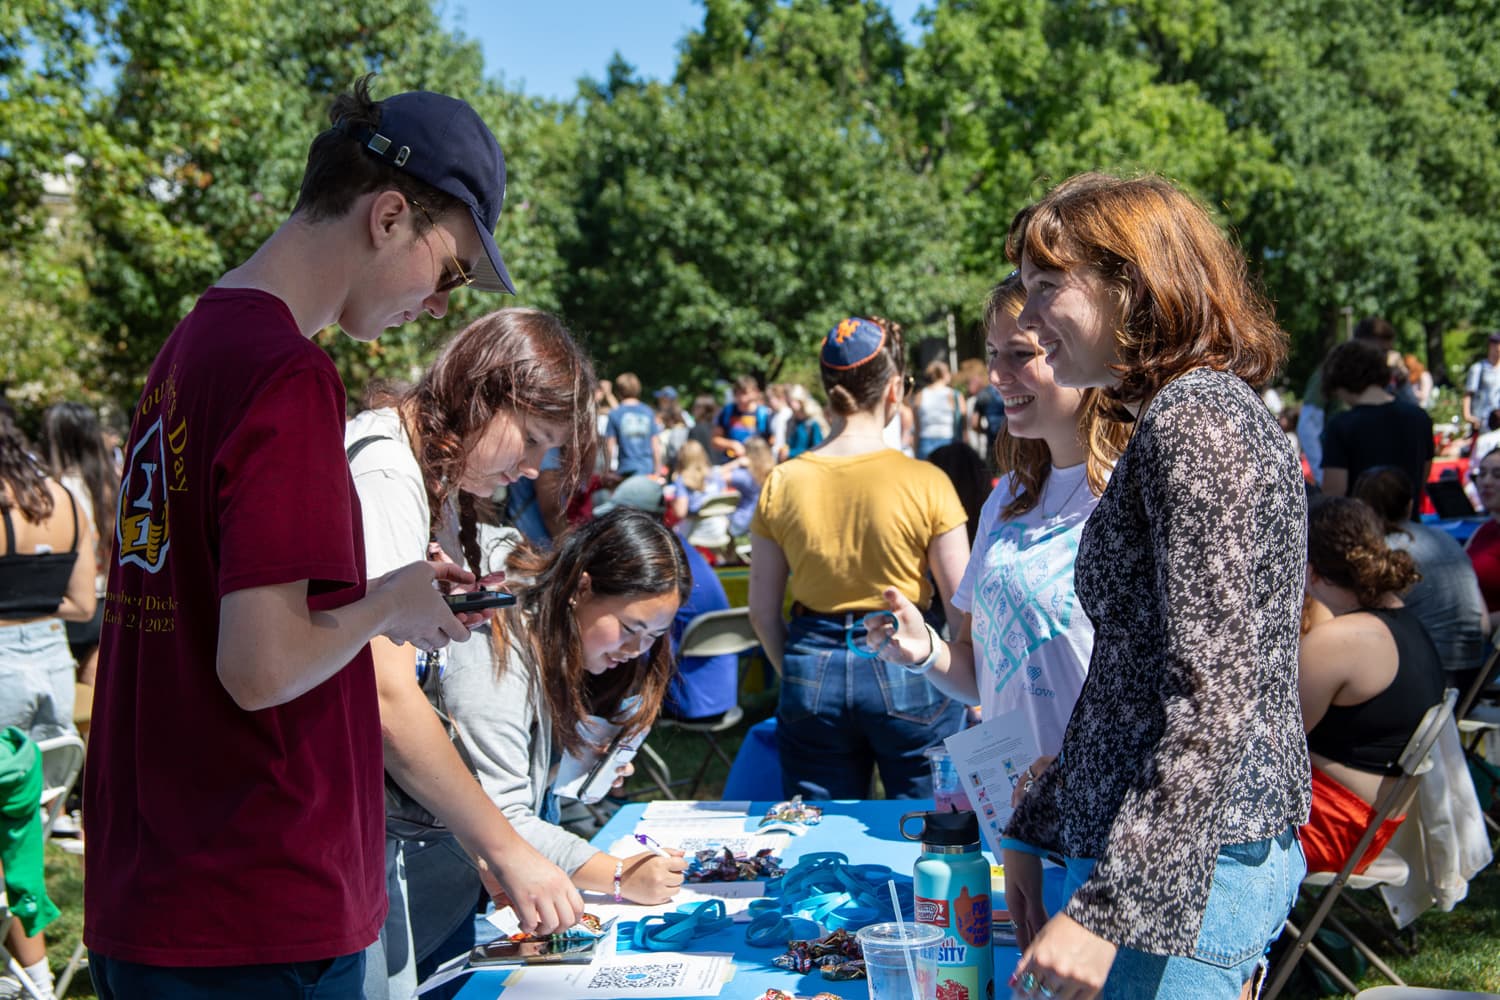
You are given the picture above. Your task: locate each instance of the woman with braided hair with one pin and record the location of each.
(1365, 678)
(839, 527)
(502, 392)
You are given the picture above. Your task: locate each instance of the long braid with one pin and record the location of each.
(468, 533)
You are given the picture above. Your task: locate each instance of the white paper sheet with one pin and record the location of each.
(664, 974)
(686, 809)
(991, 758)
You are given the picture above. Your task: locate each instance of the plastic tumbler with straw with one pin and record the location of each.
(900, 958)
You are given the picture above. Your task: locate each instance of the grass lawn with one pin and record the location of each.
(1458, 950)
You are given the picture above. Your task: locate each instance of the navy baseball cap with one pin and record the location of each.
(443, 142)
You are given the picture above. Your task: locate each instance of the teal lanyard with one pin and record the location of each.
(674, 931)
(824, 893)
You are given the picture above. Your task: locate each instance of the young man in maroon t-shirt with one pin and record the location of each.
(233, 799)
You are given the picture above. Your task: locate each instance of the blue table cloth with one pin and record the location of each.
(865, 831)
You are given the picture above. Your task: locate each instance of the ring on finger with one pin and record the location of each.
(1028, 982)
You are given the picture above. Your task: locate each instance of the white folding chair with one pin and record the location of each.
(62, 762)
(1412, 763)
(708, 527)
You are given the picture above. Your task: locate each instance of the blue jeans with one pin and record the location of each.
(1255, 885)
(842, 715)
(329, 979)
(37, 674)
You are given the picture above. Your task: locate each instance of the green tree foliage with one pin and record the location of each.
(1385, 116)
(1012, 96)
(736, 217)
(805, 161)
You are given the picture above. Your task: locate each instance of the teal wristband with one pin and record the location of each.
(1010, 844)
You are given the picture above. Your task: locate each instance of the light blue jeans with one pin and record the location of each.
(1254, 888)
(37, 674)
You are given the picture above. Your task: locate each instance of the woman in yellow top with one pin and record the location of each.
(839, 525)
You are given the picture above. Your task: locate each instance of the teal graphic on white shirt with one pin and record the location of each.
(1032, 641)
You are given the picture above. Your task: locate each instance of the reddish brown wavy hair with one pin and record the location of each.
(1186, 296)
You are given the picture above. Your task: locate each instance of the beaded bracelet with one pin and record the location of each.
(619, 873)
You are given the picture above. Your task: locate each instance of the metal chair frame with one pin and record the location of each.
(1412, 763)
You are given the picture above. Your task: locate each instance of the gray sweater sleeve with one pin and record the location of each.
(505, 732)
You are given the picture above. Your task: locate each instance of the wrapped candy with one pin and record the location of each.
(588, 926)
(794, 812)
(837, 957)
(721, 865)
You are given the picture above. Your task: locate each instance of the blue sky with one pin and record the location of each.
(544, 47)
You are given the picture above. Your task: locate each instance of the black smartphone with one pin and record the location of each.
(544, 951)
(478, 600)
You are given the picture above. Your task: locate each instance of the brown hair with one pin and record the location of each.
(936, 370)
(1354, 366)
(853, 390)
(75, 444)
(1186, 297)
(339, 170)
(513, 360)
(1387, 491)
(24, 480)
(1028, 461)
(1346, 546)
(629, 385)
(625, 552)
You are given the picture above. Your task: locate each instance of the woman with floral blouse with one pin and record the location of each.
(1184, 772)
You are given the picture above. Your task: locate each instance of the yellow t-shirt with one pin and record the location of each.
(852, 526)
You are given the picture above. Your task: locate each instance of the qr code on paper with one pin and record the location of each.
(655, 975)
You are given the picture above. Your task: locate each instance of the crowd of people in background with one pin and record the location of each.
(1103, 527)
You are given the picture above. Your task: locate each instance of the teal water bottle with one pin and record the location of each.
(952, 889)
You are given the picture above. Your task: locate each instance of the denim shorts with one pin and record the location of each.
(1254, 887)
(37, 674)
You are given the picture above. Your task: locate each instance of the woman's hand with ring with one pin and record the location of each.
(1036, 770)
(1066, 961)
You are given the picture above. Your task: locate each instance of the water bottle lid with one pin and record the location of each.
(959, 828)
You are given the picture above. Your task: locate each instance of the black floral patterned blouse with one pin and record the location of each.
(1188, 734)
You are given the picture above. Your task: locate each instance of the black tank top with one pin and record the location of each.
(1371, 735)
(35, 583)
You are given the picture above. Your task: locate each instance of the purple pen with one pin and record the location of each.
(650, 843)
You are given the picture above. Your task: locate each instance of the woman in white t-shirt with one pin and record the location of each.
(1024, 644)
